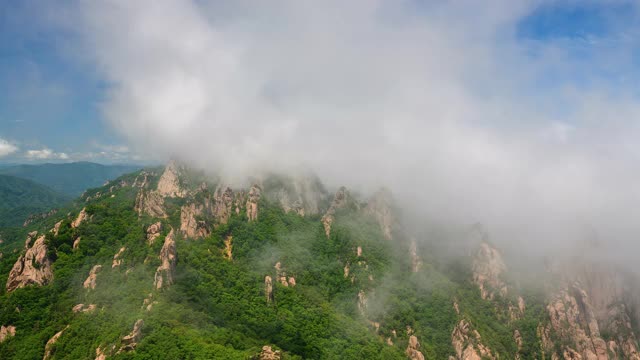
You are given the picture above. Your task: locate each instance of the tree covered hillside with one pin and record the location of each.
(20, 198)
(170, 264)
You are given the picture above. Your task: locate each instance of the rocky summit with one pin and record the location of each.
(173, 263)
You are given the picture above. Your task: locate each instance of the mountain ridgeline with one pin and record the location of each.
(70, 179)
(167, 263)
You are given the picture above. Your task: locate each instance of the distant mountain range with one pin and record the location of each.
(70, 179)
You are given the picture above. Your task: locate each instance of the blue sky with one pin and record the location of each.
(50, 97)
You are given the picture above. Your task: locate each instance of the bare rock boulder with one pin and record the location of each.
(34, 267)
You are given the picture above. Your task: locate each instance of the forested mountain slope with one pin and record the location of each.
(20, 198)
(170, 264)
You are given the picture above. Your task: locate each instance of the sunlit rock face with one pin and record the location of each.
(32, 268)
(7, 332)
(340, 200)
(153, 232)
(412, 351)
(168, 257)
(130, 341)
(48, 349)
(380, 207)
(90, 282)
(190, 225)
(169, 183)
(467, 343)
(82, 216)
(150, 203)
(593, 299)
(253, 197)
(488, 268)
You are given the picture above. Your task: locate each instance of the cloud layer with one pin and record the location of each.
(7, 148)
(442, 102)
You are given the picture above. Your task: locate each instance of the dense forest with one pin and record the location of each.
(203, 275)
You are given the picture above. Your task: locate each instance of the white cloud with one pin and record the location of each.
(7, 148)
(440, 101)
(45, 154)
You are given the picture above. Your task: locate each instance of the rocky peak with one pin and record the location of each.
(223, 199)
(168, 257)
(252, 202)
(416, 262)
(413, 352)
(340, 200)
(380, 207)
(488, 268)
(169, 183)
(34, 267)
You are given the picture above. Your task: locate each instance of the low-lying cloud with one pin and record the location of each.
(442, 102)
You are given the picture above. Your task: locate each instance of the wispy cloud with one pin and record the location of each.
(7, 148)
(441, 101)
(45, 154)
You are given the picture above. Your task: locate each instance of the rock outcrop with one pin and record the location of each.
(488, 268)
(416, 262)
(84, 308)
(268, 288)
(413, 352)
(169, 183)
(48, 348)
(117, 258)
(150, 203)
(268, 353)
(190, 225)
(467, 343)
(340, 200)
(90, 282)
(34, 267)
(593, 299)
(380, 207)
(56, 228)
(223, 199)
(168, 257)
(153, 232)
(130, 341)
(252, 202)
(228, 248)
(82, 216)
(302, 194)
(6, 332)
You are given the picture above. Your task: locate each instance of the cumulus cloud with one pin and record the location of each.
(7, 148)
(45, 154)
(440, 101)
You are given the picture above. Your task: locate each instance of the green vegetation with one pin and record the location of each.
(217, 307)
(20, 198)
